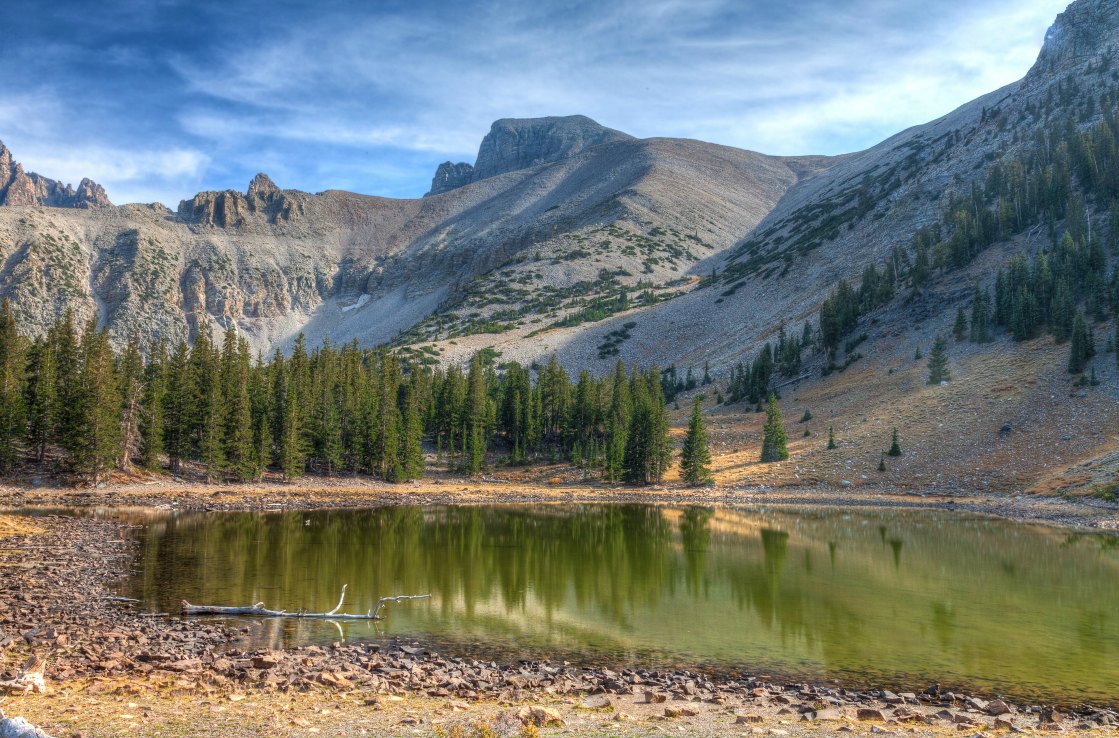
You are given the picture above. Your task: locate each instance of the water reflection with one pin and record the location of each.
(903, 597)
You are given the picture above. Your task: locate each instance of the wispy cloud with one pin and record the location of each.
(372, 96)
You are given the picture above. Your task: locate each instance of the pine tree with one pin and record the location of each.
(180, 400)
(292, 452)
(1081, 347)
(895, 447)
(211, 421)
(695, 457)
(476, 412)
(959, 330)
(411, 436)
(13, 416)
(152, 421)
(774, 440)
(241, 453)
(132, 409)
(938, 362)
(882, 463)
(96, 445)
(831, 438)
(807, 416)
(41, 396)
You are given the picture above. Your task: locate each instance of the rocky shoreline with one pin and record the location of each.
(58, 605)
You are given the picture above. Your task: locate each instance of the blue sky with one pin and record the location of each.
(158, 99)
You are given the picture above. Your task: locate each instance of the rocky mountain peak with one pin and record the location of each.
(1087, 32)
(18, 187)
(520, 143)
(263, 186)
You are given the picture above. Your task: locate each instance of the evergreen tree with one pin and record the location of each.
(95, 446)
(617, 428)
(132, 409)
(695, 458)
(1081, 347)
(42, 402)
(895, 447)
(152, 420)
(211, 420)
(241, 452)
(807, 416)
(831, 438)
(13, 416)
(181, 398)
(476, 412)
(882, 463)
(959, 330)
(411, 436)
(938, 362)
(774, 440)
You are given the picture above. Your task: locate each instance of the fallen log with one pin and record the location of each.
(260, 611)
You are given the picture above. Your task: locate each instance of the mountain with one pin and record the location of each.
(995, 225)
(22, 188)
(514, 144)
(585, 222)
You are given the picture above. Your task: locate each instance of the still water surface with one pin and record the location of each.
(886, 597)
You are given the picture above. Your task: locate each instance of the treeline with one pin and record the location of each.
(68, 395)
(1064, 173)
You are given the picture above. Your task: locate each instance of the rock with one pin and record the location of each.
(752, 717)
(541, 717)
(596, 702)
(976, 704)
(29, 189)
(17, 727)
(267, 661)
(997, 707)
(1049, 715)
(450, 176)
(519, 143)
(830, 713)
(655, 697)
(869, 713)
(891, 699)
(674, 712)
(1003, 723)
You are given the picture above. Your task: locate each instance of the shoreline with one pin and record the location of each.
(1084, 513)
(104, 655)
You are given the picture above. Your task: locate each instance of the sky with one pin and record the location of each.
(159, 99)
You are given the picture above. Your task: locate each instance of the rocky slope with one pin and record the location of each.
(28, 188)
(337, 265)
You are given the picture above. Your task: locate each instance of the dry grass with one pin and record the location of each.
(13, 525)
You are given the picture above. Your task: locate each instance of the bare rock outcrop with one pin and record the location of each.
(18, 187)
(450, 176)
(520, 143)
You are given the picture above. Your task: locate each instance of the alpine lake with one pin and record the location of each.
(883, 597)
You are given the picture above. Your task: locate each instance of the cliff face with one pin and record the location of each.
(22, 188)
(520, 143)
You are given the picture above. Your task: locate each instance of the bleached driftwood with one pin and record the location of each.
(260, 611)
(29, 679)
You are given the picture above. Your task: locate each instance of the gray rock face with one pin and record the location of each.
(27, 188)
(519, 143)
(1087, 33)
(450, 176)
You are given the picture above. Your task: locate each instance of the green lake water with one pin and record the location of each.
(886, 597)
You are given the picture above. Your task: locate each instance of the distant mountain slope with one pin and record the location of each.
(337, 265)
